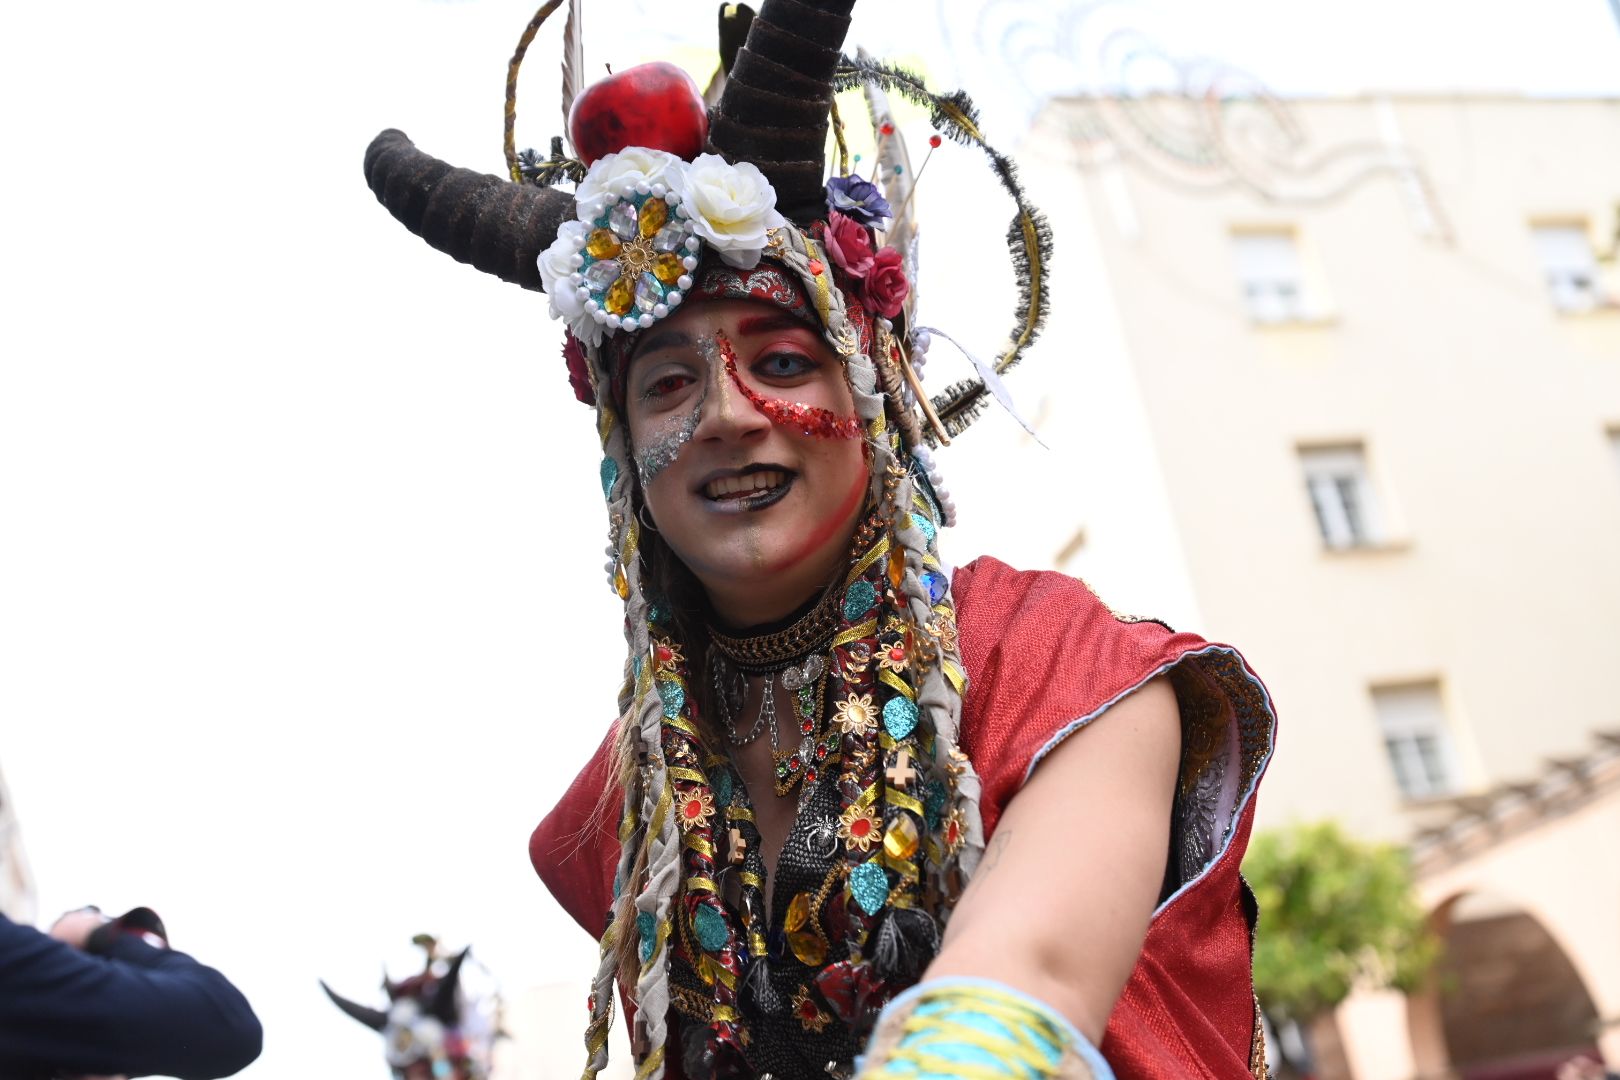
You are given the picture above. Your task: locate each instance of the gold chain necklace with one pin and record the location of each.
(768, 653)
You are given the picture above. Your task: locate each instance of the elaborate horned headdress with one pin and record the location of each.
(738, 204)
(428, 1022)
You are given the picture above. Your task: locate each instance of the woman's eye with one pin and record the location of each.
(784, 365)
(666, 384)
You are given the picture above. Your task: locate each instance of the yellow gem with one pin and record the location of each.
(620, 297)
(654, 213)
(897, 565)
(807, 947)
(901, 840)
(798, 913)
(667, 268)
(621, 584)
(602, 244)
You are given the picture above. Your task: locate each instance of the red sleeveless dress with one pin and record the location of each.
(1044, 657)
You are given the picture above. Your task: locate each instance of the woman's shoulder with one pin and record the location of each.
(1044, 615)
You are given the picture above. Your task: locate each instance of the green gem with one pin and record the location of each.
(858, 600)
(899, 717)
(934, 796)
(647, 927)
(610, 476)
(869, 885)
(674, 698)
(710, 927)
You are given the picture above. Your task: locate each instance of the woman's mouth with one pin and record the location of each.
(753, 490)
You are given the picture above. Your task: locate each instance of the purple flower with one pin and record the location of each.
(859, 199)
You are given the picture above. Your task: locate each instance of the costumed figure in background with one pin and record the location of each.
(861, 813)
(431, 1029)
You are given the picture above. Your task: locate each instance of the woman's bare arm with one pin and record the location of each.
(1061, 901)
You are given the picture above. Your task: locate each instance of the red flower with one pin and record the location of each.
(885, 287)
(849, 244)
(578, 377)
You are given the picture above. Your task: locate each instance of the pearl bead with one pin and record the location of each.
(645, 321)
(693, 243)
(609, 198)
(629, 322)
(673, 198)
(674, 299)
(644, 188)
(660, 310)
(576, 260)
(885, 323)
(690, 262)
(684, 283)
(592, 306)
(584, 293)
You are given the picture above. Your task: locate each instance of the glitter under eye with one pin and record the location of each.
(809, 419)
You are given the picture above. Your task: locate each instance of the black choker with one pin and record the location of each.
(760, 654)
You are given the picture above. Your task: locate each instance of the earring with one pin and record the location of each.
(641, 516)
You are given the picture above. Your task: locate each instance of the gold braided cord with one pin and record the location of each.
(721, 1012)
(698, 844)
(692, 776)
(838, 136)
(954, 673)
(879, 550)
(855, 633)
(701, 884)
(896, 683)
(905, 801)
(512, 66)
(654, 1062)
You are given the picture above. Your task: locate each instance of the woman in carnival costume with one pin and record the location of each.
(860, 814)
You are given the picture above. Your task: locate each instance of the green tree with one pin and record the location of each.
(1335, 914)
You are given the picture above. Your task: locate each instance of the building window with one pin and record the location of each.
(1565, 253)
(1417, 740)
(1342, 496)
(1272, 275)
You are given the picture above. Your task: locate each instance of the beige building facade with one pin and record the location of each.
(1338, 381)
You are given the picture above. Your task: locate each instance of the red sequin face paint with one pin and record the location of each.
(795, 415)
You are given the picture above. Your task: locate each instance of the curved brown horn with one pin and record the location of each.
(443, 1004)
(375, 1019)
(493, 224)
(778, 96)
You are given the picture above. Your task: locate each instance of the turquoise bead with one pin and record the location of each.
(674, 699)
(859, 599)
(869, 885)
(710, 927)
(925, 527)
(899, 717)
(610, 476)
(722, 787)
(647, 927)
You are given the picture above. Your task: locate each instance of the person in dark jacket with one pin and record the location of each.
(100, 997)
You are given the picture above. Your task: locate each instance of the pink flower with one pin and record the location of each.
(849, 244)
(885, 287)
(578, 377)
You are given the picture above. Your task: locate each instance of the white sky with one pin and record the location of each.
(302, 623)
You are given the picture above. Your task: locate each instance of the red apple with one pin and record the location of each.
(654, 105)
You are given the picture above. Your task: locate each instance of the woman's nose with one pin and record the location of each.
(726, 411)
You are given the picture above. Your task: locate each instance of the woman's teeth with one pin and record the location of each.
(736, 487)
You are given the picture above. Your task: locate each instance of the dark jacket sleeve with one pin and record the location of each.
(135, 1010)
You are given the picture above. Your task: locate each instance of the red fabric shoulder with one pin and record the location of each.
(575, 849)
(1042, 654)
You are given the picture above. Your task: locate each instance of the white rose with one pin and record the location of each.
(635, 164)
(587, 329)
(732, 206)
(557, 263)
